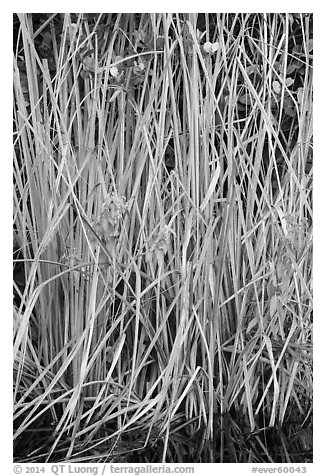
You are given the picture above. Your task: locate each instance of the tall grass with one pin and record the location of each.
(163, 216)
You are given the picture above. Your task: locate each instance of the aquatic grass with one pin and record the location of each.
(189, 310)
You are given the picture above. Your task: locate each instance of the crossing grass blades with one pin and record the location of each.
(163, 238)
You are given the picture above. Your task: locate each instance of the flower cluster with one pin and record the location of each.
(108, 225)
(72, 258)
(158, 246)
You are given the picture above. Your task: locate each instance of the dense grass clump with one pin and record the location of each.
(163, 237)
